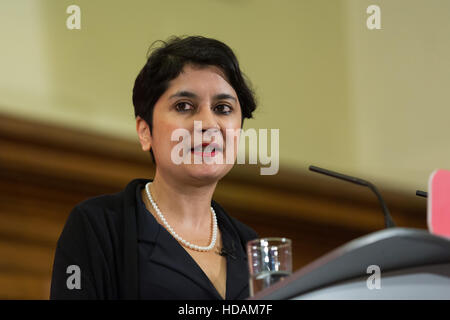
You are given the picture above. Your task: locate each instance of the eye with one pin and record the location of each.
(183, 106)
(223, 108)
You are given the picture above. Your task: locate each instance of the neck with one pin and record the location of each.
(186, 203)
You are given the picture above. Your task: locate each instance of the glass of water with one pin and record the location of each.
(269, 261)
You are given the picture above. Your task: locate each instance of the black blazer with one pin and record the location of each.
(100, 243)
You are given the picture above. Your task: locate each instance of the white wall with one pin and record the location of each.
(370, 103)
(399, 90)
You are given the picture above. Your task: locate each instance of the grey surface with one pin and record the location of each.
(390, 249)
(423, 283)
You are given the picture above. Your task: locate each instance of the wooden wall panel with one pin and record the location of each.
(45, 170)
(20, 285)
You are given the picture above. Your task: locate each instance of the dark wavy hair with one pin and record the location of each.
(166, 62)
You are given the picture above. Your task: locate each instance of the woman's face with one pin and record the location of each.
(197, 94)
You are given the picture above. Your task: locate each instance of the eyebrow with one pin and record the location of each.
(189, 94)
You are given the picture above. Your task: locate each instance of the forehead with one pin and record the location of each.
(201, 79)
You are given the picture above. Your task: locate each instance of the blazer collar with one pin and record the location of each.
(169, 252)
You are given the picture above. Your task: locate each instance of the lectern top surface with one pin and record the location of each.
(389, 249)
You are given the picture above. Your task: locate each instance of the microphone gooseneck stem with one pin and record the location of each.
(388, 222)
(387, 216)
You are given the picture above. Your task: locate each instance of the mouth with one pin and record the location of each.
(213, 149)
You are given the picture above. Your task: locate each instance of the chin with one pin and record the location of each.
(208, 173)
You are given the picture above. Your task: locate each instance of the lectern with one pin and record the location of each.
(413, 264)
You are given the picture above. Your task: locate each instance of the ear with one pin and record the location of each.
(143, 131)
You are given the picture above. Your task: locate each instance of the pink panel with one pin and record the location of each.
(438, 215)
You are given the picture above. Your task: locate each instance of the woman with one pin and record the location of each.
(165, 238)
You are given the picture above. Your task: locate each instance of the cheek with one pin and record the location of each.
(232, 140)
(162, 136)
(181, 144)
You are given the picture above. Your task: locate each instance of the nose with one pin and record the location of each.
(208, 120)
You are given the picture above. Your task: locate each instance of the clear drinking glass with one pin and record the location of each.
(269, 261)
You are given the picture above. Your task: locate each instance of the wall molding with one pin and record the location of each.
(46, 169)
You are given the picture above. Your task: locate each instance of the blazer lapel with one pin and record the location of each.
(171, 254)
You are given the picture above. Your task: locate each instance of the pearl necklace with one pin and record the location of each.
(175, 235)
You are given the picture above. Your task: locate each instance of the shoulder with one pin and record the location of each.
(106, 210)
(111, 204)
(245, 232)
(99, 207)
(104, 202)
(92, 221)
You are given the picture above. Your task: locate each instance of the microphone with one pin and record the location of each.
(389, 223)
(421, 193)
(228, 252)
